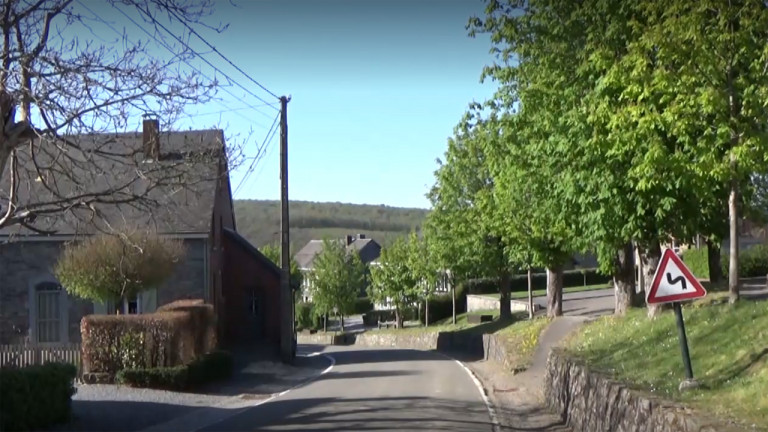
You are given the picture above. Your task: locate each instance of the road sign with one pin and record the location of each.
(673, 281)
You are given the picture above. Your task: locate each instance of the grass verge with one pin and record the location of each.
(728, 346)
(517, 295)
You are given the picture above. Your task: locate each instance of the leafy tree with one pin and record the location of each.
(392, 282)
(336, 280)
(423, 269)
(272, 251)
(105, 268)
(72, 85)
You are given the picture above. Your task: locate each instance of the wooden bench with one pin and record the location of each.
(387, 324)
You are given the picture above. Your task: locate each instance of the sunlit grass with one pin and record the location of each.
(728, 346)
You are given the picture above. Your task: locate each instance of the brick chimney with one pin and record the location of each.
(360, 236)
(151, 140)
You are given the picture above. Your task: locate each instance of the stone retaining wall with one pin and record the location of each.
(590, 402)
(480, 303)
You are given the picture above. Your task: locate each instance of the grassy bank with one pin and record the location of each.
(729, 353)
(517, 295)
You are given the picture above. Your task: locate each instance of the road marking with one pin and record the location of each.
(491, 410)
(200, 421)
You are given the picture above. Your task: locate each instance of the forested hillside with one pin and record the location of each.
(259, 221)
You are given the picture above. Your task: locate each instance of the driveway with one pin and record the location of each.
(374, 389)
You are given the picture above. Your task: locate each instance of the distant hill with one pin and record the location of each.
(259, 221)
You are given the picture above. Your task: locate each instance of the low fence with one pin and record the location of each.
(21, 355)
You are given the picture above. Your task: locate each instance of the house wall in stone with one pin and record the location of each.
(23, 263)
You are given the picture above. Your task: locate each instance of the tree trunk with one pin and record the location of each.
(624, 279)
(325, 322)
(398, 318)
(453, 298)
(504, 306)
(554, 291)
(715, 266)
(530, 294)
(341, 318)
(649, 259)
(426, 312)
(733, 262)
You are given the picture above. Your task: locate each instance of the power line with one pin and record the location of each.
(167, 47)
(200, 56)
(191, 29)
(267, 155)
(267, 138)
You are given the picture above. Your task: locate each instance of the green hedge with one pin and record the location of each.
(519, 282)
(441, 306)
(306, 318)
(753, 262)
(36, 397)
(697, 260)
(214, 366)
(373, 317)
(363, 305)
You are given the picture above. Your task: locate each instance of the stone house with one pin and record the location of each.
(197, 209)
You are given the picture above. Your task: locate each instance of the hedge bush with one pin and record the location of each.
(203, 320)
(214, 366)
(36, 397)
(306, 318)
(697, 260)
(371, 318)
(519, 282)
(441, 306)
(753, 262)
(363, 305)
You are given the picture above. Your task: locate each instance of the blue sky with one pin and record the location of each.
(376, 88)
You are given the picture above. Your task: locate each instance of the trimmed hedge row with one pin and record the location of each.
(519, 282)
(214, 366)
(373, 317)
(175, 335)
(753, 262)
(441, 306)
(36, 397)
(363, 305)
(306, 318)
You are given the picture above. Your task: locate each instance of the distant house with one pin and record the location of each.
(368, 249)
(220, 266)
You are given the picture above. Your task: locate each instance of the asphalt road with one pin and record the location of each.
(585, 303)
(374, 390)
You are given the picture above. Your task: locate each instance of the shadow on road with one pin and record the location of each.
(382, 356)
(360, 414)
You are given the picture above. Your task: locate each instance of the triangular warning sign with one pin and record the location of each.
(673, 281)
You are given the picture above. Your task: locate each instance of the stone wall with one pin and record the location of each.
(480, 302)
(591, 402)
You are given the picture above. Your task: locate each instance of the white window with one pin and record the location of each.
(48, 312)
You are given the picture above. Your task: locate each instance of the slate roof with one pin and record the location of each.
(368, 249)
(179, 188)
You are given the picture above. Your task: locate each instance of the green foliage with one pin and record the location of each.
(392, 282)
(337, 278)
(306, 318)
(363, 305)
(697, 261)
(388, 315)
(210, 367)
(174, 378)
(110, 268)
(754, 261)
(259, 221)
(36, 397)
(727, 345)
(441, 306)
(519, 282)
(272, 251)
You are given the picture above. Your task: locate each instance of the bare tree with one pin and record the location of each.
(80, 93)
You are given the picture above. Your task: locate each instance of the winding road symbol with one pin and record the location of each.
(676, 280)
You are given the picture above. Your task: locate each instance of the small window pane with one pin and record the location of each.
(48, 311)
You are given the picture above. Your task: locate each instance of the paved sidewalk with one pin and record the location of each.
(519, 399)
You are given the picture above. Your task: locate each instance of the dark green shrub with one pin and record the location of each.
(363, 305)
(753, 262)
(174, 378)
(36, 397)
(214, 366)
(306, 318)
(697, 260)
(519, 282)
(441, 306)
(373, 317)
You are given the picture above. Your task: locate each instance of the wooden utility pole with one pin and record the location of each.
(287, 345)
